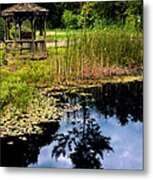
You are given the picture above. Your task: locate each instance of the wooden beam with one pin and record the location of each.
(27, 41)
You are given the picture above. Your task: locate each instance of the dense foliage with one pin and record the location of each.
(117, 13)
(102, 13)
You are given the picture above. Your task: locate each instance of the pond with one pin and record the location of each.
(104, 129)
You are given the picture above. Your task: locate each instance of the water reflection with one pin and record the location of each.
(108, 123)
(125, 101)
(84, 143)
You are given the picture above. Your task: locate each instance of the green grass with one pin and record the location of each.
(15, 91)
(60, 34)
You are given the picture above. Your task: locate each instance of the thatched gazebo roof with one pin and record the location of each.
(24, 8)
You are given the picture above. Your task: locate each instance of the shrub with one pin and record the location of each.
(35, 73)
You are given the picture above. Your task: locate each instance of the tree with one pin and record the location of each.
(69, 19)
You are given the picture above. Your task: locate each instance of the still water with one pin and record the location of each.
(106, 131)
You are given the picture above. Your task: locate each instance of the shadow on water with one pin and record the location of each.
(22, 153)
(84, 143)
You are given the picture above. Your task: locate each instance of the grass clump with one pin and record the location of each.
(14, 91)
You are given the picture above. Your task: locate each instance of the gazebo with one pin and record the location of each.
(16, 15)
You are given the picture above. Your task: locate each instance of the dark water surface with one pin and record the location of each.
(106, 132)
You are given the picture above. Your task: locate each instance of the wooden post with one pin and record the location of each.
(45, 32)
(20, 30)
(5, 35)
(41, 30)
(20, 24)
(34, 29)
(33, 36)
(7, 30)
(15, 22)
(35, 43)
(15, 31)
(45, 27)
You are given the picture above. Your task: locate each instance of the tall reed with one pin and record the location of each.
(96, 54)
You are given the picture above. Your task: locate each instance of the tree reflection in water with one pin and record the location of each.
(125, 101)
(84, 143)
